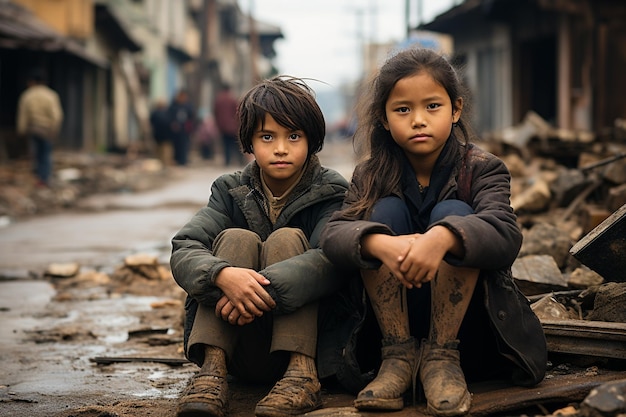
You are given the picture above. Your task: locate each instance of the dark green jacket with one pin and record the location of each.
(237, 201)
(491, 238)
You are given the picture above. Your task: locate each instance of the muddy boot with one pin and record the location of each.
(443, 380)
(395, 376)
(207, 393)
(298, 392)
(291, 396)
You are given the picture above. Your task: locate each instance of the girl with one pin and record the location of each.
(427, 221)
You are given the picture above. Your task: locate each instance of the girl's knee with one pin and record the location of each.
(393, 212)
(450, 208)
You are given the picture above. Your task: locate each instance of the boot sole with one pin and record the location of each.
(199, 409)
(461, 410)
(379, 404)
(263, 411)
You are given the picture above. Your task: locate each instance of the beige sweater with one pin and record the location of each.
(39, 112)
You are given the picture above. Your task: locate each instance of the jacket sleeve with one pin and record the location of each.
(57, 114)
(491, 237)
(193, 264)
(341, 238)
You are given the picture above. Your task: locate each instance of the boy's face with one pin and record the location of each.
(281, 153)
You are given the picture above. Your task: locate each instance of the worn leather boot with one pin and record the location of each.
(443, 380)
(207, 393)
(395, 376)
(291, 396)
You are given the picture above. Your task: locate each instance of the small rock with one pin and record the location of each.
(63, 270)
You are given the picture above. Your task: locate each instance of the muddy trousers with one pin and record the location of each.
(259, 351)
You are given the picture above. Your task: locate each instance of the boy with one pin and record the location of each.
(250, 263)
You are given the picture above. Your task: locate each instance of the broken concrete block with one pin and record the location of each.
(62, 270)
(584, 277)
(609, 303)
(568, 184)
(140, 259)
(604, 248)
(615, 172)
(533, 199)
(609, 399)
(548, 308)
(538, 274)
(591, 216)
(546, 239)
(616, 197)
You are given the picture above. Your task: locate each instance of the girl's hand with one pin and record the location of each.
(420, 261)
(412, 259)
(387, 249)
(245, 293)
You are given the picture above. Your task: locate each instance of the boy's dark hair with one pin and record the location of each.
(291, 102)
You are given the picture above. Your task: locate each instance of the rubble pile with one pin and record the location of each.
(76, 175)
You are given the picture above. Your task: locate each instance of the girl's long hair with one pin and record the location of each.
(381, 158)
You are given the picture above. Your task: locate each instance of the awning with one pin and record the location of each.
(19, 28)
(109, 19)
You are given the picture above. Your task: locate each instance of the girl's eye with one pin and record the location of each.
(402, 109)
(266, 138)
(433, 106)
(294, 136)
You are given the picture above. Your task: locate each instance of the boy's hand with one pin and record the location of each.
(244, 290)
(229, 313)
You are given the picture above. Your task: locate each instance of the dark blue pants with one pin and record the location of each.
(479, 356)
(42, 157)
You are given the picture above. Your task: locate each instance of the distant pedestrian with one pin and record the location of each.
(182, 123)
(39, 117)
(225, 110)
(206, 135)
(161, 131)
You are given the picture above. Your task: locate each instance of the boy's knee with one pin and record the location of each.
(238, 234)
(284, 243)
(287, 237)
(233, 244)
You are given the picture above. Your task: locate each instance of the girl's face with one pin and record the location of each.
(419, 116)
(281, 153)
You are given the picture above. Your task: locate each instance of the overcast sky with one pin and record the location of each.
(323, 37)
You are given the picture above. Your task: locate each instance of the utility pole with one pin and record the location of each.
(254, 45)
(407, 16)
(206, 66)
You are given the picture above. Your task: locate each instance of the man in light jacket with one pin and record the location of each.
(39, 117)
